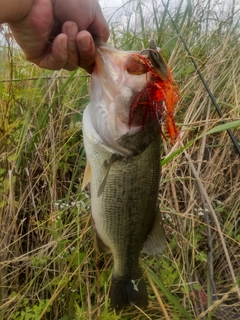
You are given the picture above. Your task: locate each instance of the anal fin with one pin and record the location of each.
(156, 240)
(101, 246)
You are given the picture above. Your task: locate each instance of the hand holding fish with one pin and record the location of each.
(56, 34)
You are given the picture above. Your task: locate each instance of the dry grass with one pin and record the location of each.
(48, 266)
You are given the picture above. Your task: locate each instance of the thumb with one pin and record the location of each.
(99, 26)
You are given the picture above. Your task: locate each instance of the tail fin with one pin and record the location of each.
(128, 290)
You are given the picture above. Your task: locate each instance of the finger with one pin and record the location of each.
(99, 26)
(70, 29)
(57, 58)
(86, 49)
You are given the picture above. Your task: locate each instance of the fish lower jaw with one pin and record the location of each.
(125, 128)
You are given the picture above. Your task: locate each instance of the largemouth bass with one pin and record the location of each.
(122, 143)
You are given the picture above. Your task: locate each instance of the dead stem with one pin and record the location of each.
(157, 295)
(208, 202)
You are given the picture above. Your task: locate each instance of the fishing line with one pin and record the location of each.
(234, 140)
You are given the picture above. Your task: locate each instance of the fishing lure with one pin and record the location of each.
(161, 94)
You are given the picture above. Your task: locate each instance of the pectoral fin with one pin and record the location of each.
(107, 166)
(87, 176)
(155, 242)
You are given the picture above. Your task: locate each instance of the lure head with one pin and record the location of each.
(159, 96)
(158, 62)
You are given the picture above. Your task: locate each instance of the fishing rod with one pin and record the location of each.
(234, 140)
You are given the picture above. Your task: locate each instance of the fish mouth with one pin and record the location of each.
(121, 77)
(116, 79)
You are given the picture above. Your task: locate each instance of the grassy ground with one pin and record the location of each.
(49, 268)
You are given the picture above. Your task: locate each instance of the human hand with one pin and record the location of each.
(57, 34)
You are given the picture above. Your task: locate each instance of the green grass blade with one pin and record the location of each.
(171, 298)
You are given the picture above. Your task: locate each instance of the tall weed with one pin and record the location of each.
(49, 268)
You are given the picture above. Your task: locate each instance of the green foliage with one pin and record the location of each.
(168, 273)
(49, 268)
(172, 299)
(30, 313)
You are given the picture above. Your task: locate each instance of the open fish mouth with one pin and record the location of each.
(147, 91)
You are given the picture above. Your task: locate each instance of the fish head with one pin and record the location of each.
(116, 79)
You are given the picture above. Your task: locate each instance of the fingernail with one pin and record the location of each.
(71, 31)
(63, 43)
(85, 43)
